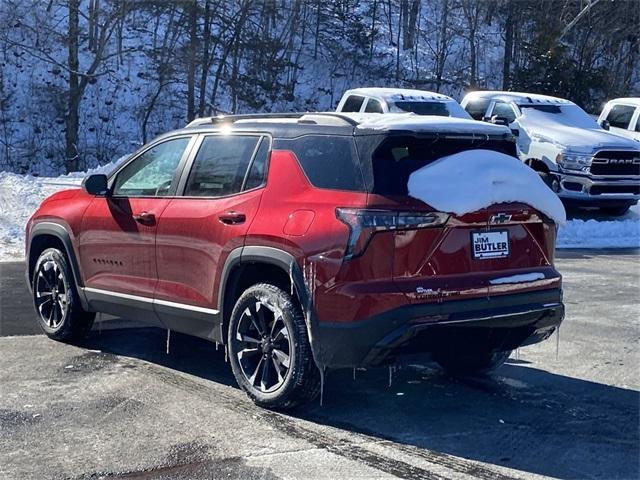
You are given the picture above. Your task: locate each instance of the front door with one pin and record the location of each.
(199, 229)
(117, 240)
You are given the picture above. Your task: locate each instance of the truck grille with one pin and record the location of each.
(616, 163)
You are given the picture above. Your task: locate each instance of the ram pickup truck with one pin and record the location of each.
(586, 165)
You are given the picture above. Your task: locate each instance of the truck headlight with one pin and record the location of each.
(574, 161)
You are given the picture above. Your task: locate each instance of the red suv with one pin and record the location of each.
(292, 240)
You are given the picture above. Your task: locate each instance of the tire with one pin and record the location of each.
(269, 349)
(476, 363)
(60, 314)
(615, 211)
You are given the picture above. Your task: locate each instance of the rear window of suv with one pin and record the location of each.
(395, 158)
(328, 161)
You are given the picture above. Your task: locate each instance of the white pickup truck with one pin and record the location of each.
(583, 163)
(399, 100)
(622, 117)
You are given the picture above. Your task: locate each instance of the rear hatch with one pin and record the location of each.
(505, 248)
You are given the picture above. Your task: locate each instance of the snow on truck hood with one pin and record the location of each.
(474, 179)
(579, 137)
(425, 123)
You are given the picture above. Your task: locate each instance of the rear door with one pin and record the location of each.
(219, 196)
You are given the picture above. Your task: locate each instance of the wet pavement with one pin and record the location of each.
(118, 406)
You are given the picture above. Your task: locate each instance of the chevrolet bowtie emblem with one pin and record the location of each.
(500, 218)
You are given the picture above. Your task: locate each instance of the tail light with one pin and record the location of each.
(363, 224)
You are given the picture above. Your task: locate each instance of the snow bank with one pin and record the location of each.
(475, 179)
(20, 196)
(623, 232)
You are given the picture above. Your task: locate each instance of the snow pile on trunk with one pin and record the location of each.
(475, 179)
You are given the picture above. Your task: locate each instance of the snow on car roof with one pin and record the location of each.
(635, 101)
(392, 94)
(411, 121)
(522, 97)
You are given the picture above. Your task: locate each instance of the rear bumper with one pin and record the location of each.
(496, 323)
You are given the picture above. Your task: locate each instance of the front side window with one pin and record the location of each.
(353, 103)
(152, 174)
(504, 110)
(477, 108)
(638, 124)
(220, 165)
(373, 106)
(620, 116)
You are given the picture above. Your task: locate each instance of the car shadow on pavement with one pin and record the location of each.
(522, 418)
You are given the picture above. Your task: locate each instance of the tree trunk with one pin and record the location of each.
(442, 45)
(204, 74)
(72, 159)
(508, 47)
(191, 61)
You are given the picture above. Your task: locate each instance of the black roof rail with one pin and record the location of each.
(220, 119)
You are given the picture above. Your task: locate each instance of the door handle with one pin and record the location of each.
(145, 218)
(232, 218)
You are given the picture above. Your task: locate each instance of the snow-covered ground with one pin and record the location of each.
(20, 195)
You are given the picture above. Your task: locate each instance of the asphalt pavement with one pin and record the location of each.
(118, 406)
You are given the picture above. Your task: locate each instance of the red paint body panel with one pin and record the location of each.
(193, 243)
(116, 252)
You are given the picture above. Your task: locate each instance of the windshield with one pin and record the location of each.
(569, 115)
(441, 109)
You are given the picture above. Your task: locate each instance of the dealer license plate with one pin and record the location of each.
(490, 244)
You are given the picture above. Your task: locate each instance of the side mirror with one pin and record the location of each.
(95, 184)
(515, 132)
(605, 124)
(496, 120)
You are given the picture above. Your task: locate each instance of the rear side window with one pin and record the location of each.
(477, 108)
(221, 165)
(352, 104)
(373, 106)
(258, 169)
(328, 161)
(638, 124)
(620, 116)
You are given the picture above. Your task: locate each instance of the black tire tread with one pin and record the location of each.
(307, 378)
(78, 322)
